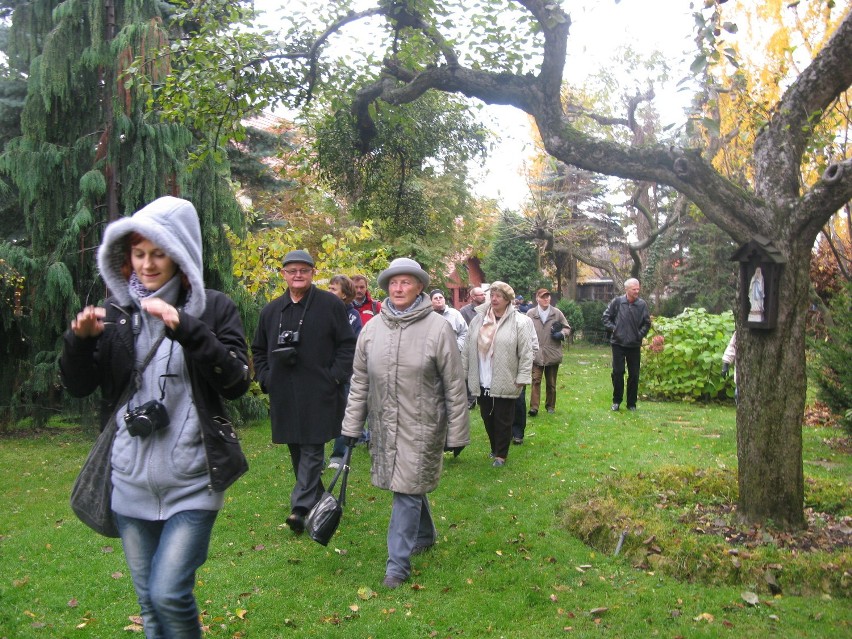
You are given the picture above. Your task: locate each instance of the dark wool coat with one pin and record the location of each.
(307, 398)
(216, 354)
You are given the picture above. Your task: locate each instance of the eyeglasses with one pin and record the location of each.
(298, 271)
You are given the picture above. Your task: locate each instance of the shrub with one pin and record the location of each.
(832, 369)
(682, 356)
(592, 324)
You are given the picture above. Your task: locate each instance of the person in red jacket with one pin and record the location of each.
(363, 303)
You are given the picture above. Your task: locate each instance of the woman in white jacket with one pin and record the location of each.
(498, 359)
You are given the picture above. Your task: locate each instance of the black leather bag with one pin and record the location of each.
(324, 518)
(91, 496)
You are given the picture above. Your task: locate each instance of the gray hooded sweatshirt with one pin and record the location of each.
(157, 476)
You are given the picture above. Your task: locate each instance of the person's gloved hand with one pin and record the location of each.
(558, 335)
(725, 368)
(352, 442)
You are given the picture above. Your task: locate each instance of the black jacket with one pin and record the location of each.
(307, 395)
(629, 323)
(216, 353)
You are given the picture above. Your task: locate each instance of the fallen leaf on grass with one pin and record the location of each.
(73, 603)
(365, 592)
(750, 598)
(704, 616)
(597, 612)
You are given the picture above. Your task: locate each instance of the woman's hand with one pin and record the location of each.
(163, 311)
(89, 322)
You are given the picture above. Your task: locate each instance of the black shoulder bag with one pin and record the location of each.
(91, 496)
(321, 523)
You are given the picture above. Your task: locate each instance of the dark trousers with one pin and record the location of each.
(308, 464)
(520, 423)
(632, 357)
(498, 413)
(549, 373)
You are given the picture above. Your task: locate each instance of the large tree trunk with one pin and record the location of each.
(771, 377)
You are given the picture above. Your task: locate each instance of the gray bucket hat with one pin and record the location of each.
(403, 266)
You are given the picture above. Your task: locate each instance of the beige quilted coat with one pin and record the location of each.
(513, 354)
(408, 384)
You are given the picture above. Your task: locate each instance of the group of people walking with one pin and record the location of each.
(165, 348)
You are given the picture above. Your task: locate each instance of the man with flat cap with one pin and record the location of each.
(302, 354)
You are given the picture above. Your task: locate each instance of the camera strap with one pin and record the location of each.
(136, 380)
(304, 312)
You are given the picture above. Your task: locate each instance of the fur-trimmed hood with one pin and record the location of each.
(172, 224)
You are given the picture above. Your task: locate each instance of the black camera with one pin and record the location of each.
(288, 338)
(287, 355)
(146, 419)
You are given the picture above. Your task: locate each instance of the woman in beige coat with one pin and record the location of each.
(498, 359)
(408, 383)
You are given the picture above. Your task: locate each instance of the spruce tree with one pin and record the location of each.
(87, 154)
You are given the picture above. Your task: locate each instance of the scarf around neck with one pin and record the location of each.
(490, 324)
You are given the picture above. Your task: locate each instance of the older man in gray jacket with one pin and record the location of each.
(408, 383)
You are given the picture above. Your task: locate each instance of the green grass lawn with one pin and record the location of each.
(505, 565)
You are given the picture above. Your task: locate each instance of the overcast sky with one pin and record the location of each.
(598, 28)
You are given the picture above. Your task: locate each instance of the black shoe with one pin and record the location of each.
(533, 412)
(551, 410)
(633, 408)
(517, 440)
(614, 407)
(296, 523)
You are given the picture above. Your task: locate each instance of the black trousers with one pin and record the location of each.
(520, 423)
(498, 413)
(632, 358)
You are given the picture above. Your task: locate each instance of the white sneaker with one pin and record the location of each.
(334, 464)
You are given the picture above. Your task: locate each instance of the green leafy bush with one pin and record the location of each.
(682, 356)
(832, 369)
(593, 330)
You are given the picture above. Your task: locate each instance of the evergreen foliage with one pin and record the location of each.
(592, 326)
(832, 367)
(86, 152)
(513, 260)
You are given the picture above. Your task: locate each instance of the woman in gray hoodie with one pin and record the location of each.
(175, 451)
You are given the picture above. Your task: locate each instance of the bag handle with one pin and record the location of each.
(343, 469)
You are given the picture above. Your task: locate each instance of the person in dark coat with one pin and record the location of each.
(303, 351)
(169, 474)
(628, 319)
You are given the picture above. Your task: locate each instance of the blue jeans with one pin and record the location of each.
(163, 557)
